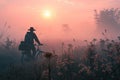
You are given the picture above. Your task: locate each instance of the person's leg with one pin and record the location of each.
(33, 50)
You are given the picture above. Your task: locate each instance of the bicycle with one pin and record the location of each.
(28, 57)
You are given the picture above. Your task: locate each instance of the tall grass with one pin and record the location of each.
(98, 60)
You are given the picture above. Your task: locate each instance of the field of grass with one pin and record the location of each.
(97, 60)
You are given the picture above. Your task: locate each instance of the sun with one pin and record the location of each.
(47, 14)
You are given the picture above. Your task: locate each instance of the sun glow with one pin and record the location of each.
(47, 14)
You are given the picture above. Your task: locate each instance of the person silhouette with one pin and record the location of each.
(30, 38)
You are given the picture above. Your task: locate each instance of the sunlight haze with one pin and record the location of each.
(78, 14)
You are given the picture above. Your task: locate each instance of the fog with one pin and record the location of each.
(78, 15)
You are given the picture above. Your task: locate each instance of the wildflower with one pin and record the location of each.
(48, 55)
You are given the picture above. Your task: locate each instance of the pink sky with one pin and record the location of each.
(79, 14)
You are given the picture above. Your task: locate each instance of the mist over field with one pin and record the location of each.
(20, 15)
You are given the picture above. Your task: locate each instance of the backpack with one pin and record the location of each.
(23, 46)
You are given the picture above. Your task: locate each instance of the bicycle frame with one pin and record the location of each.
(38, 51)
(28, 54)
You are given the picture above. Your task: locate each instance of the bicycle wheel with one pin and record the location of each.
(38, 57)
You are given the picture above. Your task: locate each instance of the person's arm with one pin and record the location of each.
(36, 39)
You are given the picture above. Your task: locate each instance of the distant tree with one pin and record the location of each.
(66, 27)
(108, 19)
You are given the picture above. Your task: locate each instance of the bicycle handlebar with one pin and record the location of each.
(38, 44)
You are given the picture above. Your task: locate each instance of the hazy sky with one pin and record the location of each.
(78, 14)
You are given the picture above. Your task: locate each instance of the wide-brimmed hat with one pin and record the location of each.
(31, 29)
